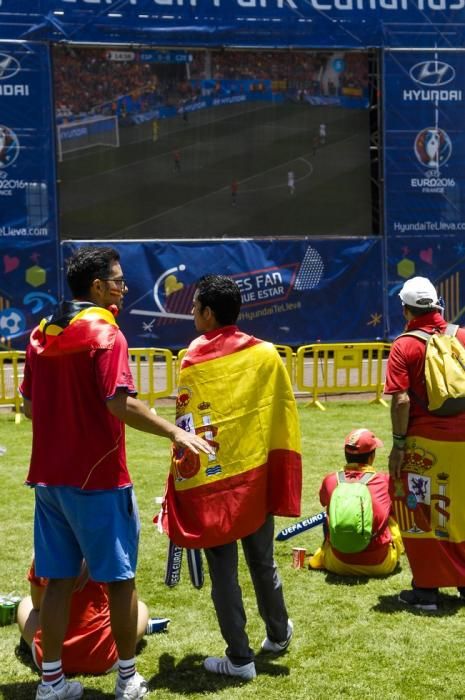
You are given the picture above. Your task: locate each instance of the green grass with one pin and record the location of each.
(352, 638)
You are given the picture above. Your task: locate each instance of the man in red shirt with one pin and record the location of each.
(79, 392)
(427, 457)
(382, 554)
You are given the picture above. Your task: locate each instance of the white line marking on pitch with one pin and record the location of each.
(222, 189)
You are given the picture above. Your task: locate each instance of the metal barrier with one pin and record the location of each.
(318, 369)
(151, 368)
(11, 371)
(179, 358)
(288, 357)
(336, 368)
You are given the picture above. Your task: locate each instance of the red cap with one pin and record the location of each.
(361, 441)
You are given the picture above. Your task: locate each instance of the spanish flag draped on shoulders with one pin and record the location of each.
(77, 327)
(235, 391)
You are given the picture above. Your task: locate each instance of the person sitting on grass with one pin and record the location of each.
(89, 645)
(381, 555)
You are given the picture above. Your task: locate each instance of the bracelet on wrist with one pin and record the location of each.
(399, 441)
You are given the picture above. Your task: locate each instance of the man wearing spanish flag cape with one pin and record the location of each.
(427, 458)
(79, 392)
(234, 391)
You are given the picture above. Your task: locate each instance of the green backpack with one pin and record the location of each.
(351, 514)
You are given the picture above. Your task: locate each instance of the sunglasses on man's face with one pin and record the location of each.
(118, 280)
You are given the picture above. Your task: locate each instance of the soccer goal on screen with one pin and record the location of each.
(87, 133)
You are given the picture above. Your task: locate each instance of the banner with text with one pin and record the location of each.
(440, 258)
(272, 23)
(28, 221)
(294, 292)
(424, 97)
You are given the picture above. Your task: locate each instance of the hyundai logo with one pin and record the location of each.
(432, 73)
(9, 66)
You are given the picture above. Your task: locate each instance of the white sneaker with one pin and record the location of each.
(132, 689)
(223, 665)
(68, 691)
(279, 647)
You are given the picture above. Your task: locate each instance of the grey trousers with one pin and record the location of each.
(227, 595)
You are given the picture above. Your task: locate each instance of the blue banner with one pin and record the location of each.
(294, 292)
(266, 23)
(189, 106)
(441, 259)
(28, 221)
(29, 282)
(27, 174)
(424, 94)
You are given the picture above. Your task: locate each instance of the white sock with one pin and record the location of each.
(52, 673)
(126, 668)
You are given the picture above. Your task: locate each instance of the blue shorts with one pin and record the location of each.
(100, 526)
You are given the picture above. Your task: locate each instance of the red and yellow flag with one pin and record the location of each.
(76, 328)
(428, 505)
(234, 391)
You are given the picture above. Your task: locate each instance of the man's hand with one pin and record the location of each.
(191, 441)
(396, 460)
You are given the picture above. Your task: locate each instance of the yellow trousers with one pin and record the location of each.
(324, 558)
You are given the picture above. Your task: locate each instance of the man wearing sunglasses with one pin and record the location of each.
(79, 392)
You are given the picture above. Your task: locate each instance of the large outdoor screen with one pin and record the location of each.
(208, 144)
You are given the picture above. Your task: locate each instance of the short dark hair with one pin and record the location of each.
(222, 295)
(419, 311)
(86, 265)
(352, 458)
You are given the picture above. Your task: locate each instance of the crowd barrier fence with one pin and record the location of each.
(320, 369)
(153, 372)
(11, 372)
(337, 368)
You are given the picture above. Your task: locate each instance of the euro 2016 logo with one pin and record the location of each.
(9, 146)
(433, 147)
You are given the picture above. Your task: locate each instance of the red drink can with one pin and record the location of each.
(298, 557)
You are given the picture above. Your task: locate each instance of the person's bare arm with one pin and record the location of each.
(400, 412)
(134, 413)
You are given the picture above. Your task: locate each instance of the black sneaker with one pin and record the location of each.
(420, 598)
(461, 590)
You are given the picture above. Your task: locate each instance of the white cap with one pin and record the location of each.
(419, 292)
